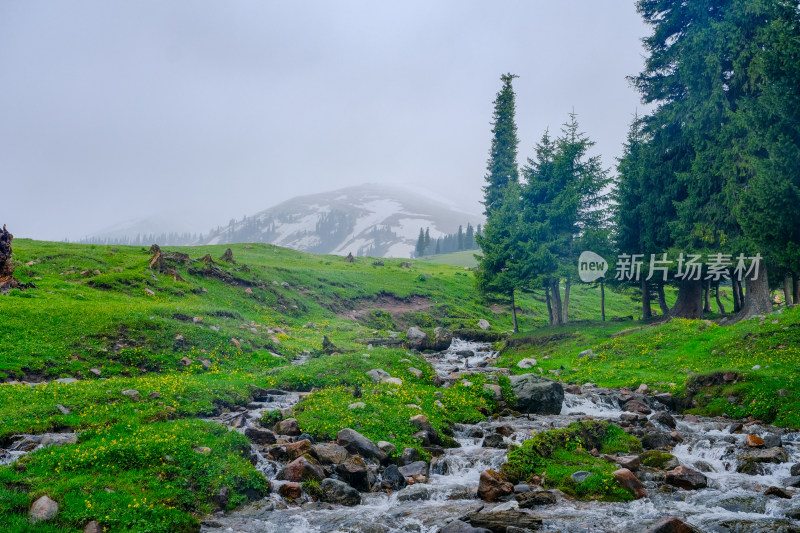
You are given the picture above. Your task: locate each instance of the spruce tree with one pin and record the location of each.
(502, 166)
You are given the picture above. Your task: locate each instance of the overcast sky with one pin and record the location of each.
(205, 110)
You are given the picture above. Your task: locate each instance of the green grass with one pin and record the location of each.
(462, 259)
(275, 305)
(555, 455)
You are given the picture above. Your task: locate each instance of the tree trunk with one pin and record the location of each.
(706, 298)
(757, 301)
(646, 311)
(514, 312)
(555, 292)
(602, 299)
(549, 304)
(742, 299)
(787, 290)
(662, 300)
(564, 314)
(737, 299)
(690, 300)
(720, 307)
(796, 288)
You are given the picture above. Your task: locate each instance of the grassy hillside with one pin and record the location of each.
(463, 259)
(193, 337)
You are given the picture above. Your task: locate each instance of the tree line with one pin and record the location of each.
(711, 171)
(447, 243)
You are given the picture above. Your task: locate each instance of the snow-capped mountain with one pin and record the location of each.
(374, 220)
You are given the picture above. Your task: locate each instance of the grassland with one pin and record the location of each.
(194, 340)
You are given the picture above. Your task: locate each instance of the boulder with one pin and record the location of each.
(358, 444)
(288, 427)
(392, 479)
(750, 461)
(662, 417)
(442, 338)
(580, 476)
(93, 527)
(534, 498)
(631, 462)
(754, 441)
(635, 406)
(290, 491)
(492, 486)
(500, 521)
(43, 510)
(259, 435)
(484, 325)
(656, 440)
(457, 526)
(357, 405)
(418, 471)
(329, 453)
(793, 481)
(527, 363)
(297, 449)
(686, 478)
(536, 394)
(339, 492)
(387, 447)
(658, 459)
(356, 473)
(626, 478)
(795, 471)
(416, 338)
(416, 372)
(304, 468)
(408, 456)
(378, 375)
(670, 524)
(778, 492)
(494, 441)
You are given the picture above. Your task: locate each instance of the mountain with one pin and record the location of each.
(370, 219)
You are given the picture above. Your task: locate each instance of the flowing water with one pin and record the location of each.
(732, 502)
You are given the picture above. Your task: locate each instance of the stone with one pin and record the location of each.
(500, 521)
(793, 513)
(527, 363)
(457, 526)
(304, 468)
(43, 510)
(442, 338)
(754, 441)
(537, 395)
(329, 453)
(93, 527)
(64, 410)
(492, 486)
(662, 417)
(131, 393)
(416, 372)
(778, 492)
(795, 471)
(585, 353)
(504, 430)
(793, 481)
(387, 447)
(580, 476)
(356, 473)
(494, 441)
(643, 389)
(484, 324)
(185, 361)
(772, 441)
(357, 444)
(635, 406)
(656, 440)
(288, 427)
(416, 338)
(96, 371)
(666, 399)
(339, 492)
(202, 450)
(393, 479)
(686, 478)
(259, 435)
(658, 459)
(670, 524)
(408, 456)
(297, 449)
(534, 498)
(378, 375)
(290, 491)
(357, 405)
(394, 381)
(749, 462)
(626, 478)
(418, 471)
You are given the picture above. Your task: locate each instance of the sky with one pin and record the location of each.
(197, 111)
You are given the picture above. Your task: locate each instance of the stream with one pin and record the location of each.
(732, 503)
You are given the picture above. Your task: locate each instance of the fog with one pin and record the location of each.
(197, 112)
